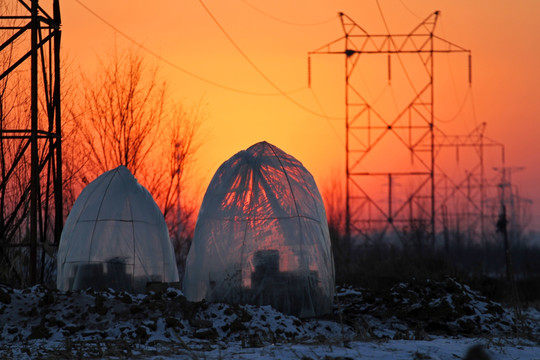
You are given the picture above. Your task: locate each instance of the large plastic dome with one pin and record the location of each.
(115, 236)
(262, 236)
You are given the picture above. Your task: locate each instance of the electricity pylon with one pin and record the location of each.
(32, 171)
(463, 197)
(410, 133)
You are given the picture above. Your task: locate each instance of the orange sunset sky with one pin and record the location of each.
(276, 36)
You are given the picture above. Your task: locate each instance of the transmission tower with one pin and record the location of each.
(508, 198)
(463, 197)
(31, 186)
(372, 135)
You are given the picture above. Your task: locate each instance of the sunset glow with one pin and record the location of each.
(246, 62)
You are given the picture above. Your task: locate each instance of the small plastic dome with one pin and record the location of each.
(262, 236)
(115, 237)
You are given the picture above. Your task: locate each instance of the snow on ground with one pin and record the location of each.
(421, 320)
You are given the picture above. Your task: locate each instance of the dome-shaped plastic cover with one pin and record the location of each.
(262, 236)
(115, 237)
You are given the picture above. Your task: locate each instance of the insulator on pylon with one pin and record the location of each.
(309, 71)
(470, 69)
(389, 69)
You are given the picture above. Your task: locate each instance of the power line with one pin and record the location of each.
(398, 55)
(382, 16)
(327, 118)
(410, 11)
(460, 109)
(173, 65)
(286, 21)
(450, 71)
(256, 68)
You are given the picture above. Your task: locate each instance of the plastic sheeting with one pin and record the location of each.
(115, 237)
(262, 236)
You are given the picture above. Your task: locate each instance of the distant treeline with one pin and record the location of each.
(379, 262)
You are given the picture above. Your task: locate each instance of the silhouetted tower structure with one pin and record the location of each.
(509, 201)
(376, 143)
(31, 150)
(509, 220)
(463, 198)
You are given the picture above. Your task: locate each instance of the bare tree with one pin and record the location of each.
(342, 249)
(179, 206)
(127, 119)
(14, 205)
(334, 202)
(122, 113)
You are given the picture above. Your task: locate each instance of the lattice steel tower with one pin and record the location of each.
(31, 153)
(396, 150)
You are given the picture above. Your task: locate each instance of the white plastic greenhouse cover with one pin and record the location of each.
(262, 236)
(115, 237)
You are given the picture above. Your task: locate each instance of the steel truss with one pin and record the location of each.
(31, 185)
(412, 132)
(464, 200)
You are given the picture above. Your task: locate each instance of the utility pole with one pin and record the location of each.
(502, 227)
(502, 222)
